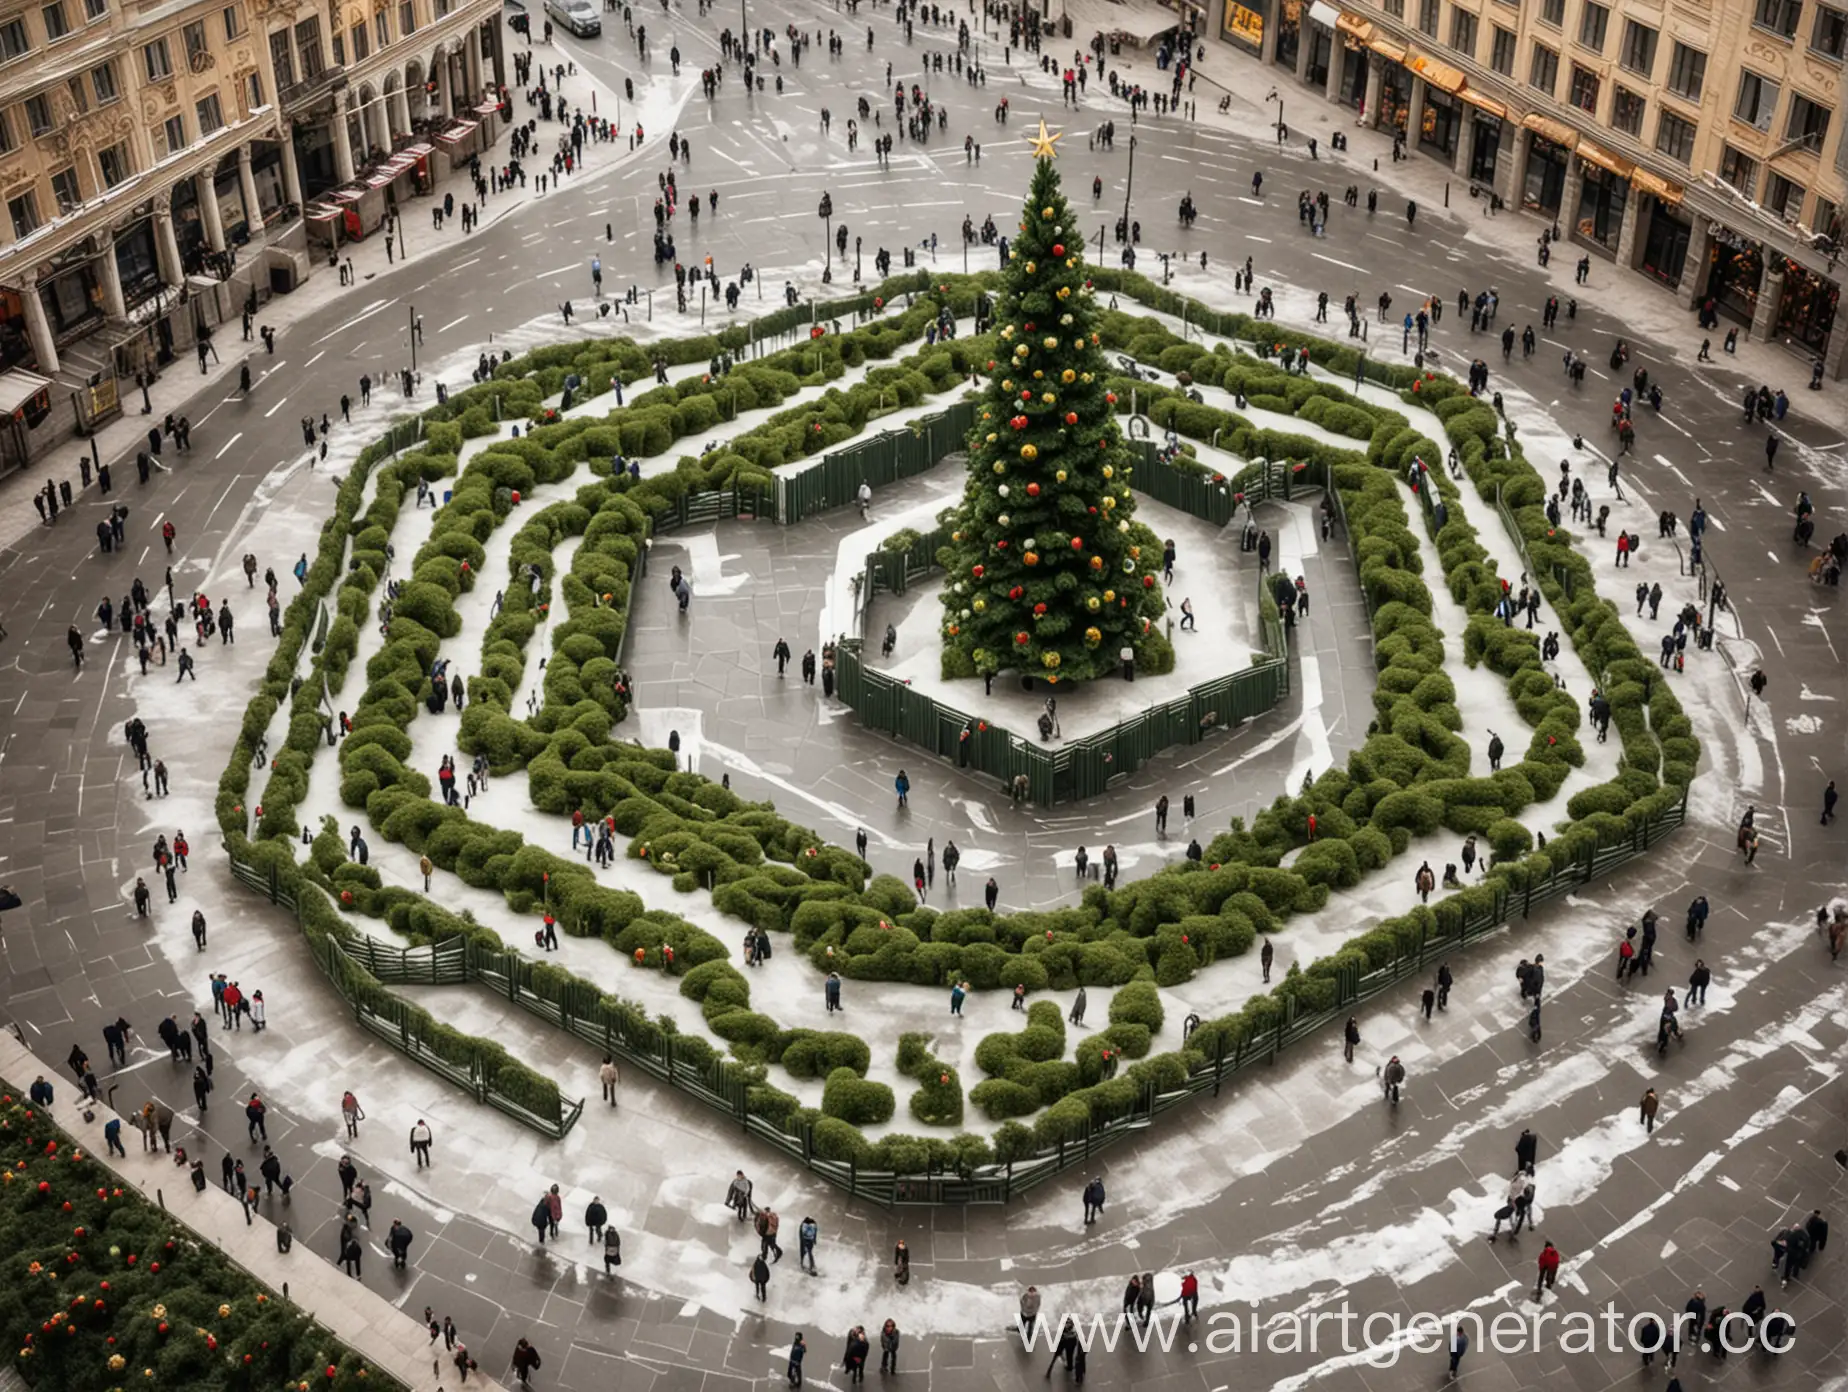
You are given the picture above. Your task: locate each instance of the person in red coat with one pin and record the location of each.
(1549, 1269)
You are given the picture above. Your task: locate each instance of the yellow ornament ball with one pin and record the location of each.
(1109, 472)
(1135, 553)
(1060, 476)
(1050, 659)
(1093, 604)
(1109, 596)
(991, 437)
(1007, 384)
(1021, 350)
(1031, 558)
(1088, 379)
(1038, 376)
(980, 606)
(1048, 398)
(1107, 502)
(1065, 291)
(1068, 376)
(1050, 343)
(1097, 563)
(1000, 468)
(1028, 452)
(955, 536)
(1045, 212)
(1093, 636)
(1031, 268)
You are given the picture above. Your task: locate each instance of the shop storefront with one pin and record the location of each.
(1440, 120)
(1318, 32)
(1665, 245)
(15, 345)
(314, 157)
(1735, 270)
(137, 263)
(1243, 26)
(1549, 150)
(233, 216)
(1395, 87)
(1604, 193)
(1486, 117)
(71, 290)
(1289, 33)
(1806, 312)
(1352, 34)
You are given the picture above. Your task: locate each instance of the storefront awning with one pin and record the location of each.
(1645, 182)
(455, 133)
(1387, 49)
(381, 177)
(320, 212)
(1487, 103)
(1354, 27)
(346, 195)
(1617, 164)
(18, 389)
(487, 108)
(1552, 130)
(419, 150)
(1324, 14)
(1440, 75)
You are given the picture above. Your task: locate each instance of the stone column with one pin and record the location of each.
(400, 112)
(1414, 114)
(1770, 295)
(205, 188)
(247, 178)
(1627, 248)
(472, 58)
(1832, 353)
(1466, 141)
(343, 141)
(167, 248)
(1694, 267)
(1305, 43)
(114, 304)
(45, 346)
(1267, 45)
(1371, 120)
(1569, 195)
(445, 98)
(1337, 62)
(1511, 165)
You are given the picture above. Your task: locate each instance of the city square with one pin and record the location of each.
(685, 635)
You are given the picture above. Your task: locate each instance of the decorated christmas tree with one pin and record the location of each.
(1049, 574)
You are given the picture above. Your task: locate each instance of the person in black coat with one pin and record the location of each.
(1818, 1229)
(1526, 1150)
(399, 1240)
(595, 1216)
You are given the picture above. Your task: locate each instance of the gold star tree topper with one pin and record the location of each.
(1043, 143)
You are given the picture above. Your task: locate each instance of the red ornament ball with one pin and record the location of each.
(1071, 418)
(1077, 543)
(1148, 582)
(1015, 593)
(976, 572)
(1033, 490)
(1021, 640)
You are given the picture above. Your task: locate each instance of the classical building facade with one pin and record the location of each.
(1698, 144)
(162, 164)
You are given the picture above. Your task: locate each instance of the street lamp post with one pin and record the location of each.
(1277, 96)
(1129, 186)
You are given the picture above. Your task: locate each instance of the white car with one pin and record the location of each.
(581, 17)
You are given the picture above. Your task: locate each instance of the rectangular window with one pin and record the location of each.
(158, 62)
(65, 189)
(442, 8)
(362, 43)
(1826, 219)
(1395, 8)
(194, 37)
(1586, 85)
(94, 10)
(1544, 72)
(1427, 16)
(1784, 197)
(381, 25)
(13, 40)
(1779, 16)
(407, 19)
(1675, 137)
(1638, 53)
(281, 59)
(56, 25)
(1501, 52)
(234, 23)
(1553, 12)
(1592, 26)
(339, 45)
(103, 83)
(1463, 32)
(6, 133)
(38, 115)
(1829, 34)
(1809, 122)
(79, 98)
(211, 116)
(1757, 103)
(173, 134)
(1627, 111)
(1687, 72)
(24, 212)
(1739, 169)
(253, 90)
(308, 44)
(115, 164)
